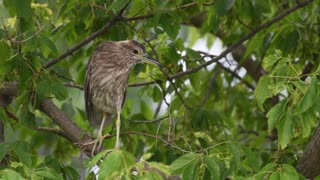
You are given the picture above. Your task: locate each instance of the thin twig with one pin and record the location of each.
(52, 130)
(242, 40)
(168, 143)
(234, 74)
(148, 122)
(70, 51)
(73, 85)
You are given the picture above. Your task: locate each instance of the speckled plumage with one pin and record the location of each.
(107, 79)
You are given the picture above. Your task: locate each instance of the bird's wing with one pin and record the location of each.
(87, 93)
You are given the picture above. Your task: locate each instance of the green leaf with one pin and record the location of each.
(262, 91)
(178, 166)
(19, 8)
(9, 174)
(2, 32)
(289, 173)
(49, 46)
(22, 151)
(275, 114)
(309, 97)
(269, 61)
(168, 23)
(116, 164)
(117, 5)
(89, 163)
(4, 52)
(189, 171)
(213, 167)
(228, 4)
(275, 176)
(48, 173)
(235, 151)
(157, 94)
(307, 122)
(59, 90)
(26, 117)
(269, 167)
(285, 129)
(3, 150)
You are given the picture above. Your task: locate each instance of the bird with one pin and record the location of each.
(106, 83)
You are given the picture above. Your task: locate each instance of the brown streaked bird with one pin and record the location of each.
(107, 80)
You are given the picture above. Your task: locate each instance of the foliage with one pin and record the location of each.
(211, 123)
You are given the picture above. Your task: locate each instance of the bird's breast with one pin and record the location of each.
(108, 89)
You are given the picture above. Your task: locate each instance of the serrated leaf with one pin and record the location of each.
(117, 5)
(285, 130)
(93, 161)
(235, 151)
(49, 45)
(59, 90)
(179, 164)
(116, 164)
(3, 150)
(26, 117)
(228, 4)
(189, 171)
(309, 97)
(213, 167)
(71, 173)
(9, 174)
(269, 61)
(275, 114)
(2, 32)
(22, 151)
(262, 91)
(48, 173)
(275, 176)
(4, 52)
(289, 173)
(307, 123)
(19, 8)
(168, 23)
(268, 167)
(157, 94)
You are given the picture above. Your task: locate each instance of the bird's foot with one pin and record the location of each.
(96, 143)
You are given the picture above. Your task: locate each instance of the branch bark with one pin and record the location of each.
(308, 164)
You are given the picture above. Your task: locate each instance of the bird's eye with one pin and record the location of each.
(135, 51)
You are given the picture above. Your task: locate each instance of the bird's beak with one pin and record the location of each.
(148, 59)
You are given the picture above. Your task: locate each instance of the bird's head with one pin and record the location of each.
(137, 53)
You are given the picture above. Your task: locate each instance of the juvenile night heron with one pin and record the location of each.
(107, 80)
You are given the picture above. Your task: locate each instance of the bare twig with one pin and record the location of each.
(148, 122)
(237, 76)
(168, 143)
(73, 85)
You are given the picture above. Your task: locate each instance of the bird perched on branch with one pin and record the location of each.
(106, 82)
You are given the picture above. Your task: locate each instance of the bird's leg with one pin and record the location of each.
(99, 139)
(118, 123)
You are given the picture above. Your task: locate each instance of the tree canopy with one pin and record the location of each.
(238, 97)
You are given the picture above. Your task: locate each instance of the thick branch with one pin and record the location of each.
(73, 132)
(308, 164)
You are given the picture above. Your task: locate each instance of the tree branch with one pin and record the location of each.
(308, 164)
(52, 130)
(72, 131)
(243, 39)
(70, 51)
